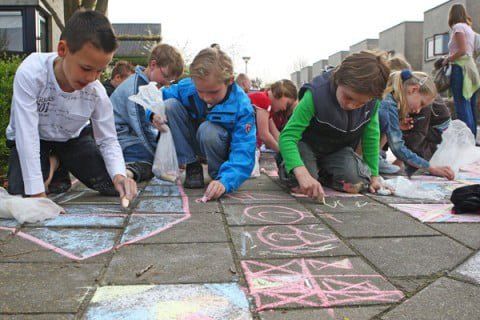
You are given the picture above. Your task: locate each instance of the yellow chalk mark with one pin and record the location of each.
(111, 293)
(176, 310)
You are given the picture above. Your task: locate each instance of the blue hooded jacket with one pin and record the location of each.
(236, 115)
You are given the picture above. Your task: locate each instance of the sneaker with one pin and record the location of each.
(194, 176)
(387, 168)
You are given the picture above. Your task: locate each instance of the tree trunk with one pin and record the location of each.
(69, 7)
(88, 4)
(102, 6)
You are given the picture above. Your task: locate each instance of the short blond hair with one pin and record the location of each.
(398, 62)
(212, 61)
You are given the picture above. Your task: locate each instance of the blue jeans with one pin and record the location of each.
(208, 140)
(464, 108)
(139, 160)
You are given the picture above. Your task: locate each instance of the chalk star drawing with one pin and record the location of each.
(435, 213)
(184, 301)
(88, 240)
(297, 239)
(315, 283)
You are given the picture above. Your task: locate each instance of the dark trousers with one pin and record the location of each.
(80, 156)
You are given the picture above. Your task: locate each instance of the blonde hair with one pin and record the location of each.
(400, 80)
(458, 14)
(212, 61)
(365, 72)
(398, 62)
(284, 88)
(167, 56)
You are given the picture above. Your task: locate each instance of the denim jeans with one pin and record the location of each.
(139, 160)
(464, 108)
(209, 140)
(80, 156)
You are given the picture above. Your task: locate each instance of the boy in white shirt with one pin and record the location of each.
(55, 95)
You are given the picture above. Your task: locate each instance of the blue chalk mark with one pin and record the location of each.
(9, 223)
(92, 209)
(232, 292)
(130, 314)
(80, 242)
(159, 182)
(162, 191)
(69, 220)
(159, 205)
(140, 226)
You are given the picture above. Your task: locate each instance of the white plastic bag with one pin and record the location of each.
(256, 169)
(405, 188)
(457, 148)
(165, 163)
(27, 209)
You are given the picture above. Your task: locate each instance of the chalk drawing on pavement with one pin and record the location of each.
(435, 213)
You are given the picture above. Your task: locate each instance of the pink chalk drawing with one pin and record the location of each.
(73, 245)
(295, 239)
(474, 167)
(315, 283)
(276, 214)
(247, 196)
(435, 213)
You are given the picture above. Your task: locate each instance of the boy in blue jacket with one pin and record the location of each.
(211, 116)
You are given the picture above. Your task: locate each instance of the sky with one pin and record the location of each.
(276, 35)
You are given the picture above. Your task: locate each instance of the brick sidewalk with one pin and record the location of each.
(256, 254)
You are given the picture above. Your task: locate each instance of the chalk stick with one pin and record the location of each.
(125, 202)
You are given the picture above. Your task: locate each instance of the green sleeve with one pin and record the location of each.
(292, 133)
(371, 141)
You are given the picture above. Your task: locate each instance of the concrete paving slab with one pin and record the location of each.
(45, 288)
(19, 249)
(410, 286)
(393, 199)
(171, 263)
(277, 241)
(86, 197)
(9, 223)
(384, 224)
(161, 191)
(466, 233)
(4, 234)
(253, 197)
(470, 269)
(267, 214)
(182, 301)
(200, 207)
(431, 213)
(94, 209)
(261, 183)
(421, 256)
(344, 205)
(39, 317)
(141, 226)
(160, 205)
(204, 227)
(83, 220)
(358, 313)
(321, 282)
(74, 243)
(443, 299)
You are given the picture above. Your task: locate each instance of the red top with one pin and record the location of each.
(261, 100)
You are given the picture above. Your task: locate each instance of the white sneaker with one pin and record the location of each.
(386, 167)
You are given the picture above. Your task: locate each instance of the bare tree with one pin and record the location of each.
(299, 63)
(70, 6)
(257, 83)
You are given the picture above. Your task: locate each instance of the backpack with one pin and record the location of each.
(466, 199)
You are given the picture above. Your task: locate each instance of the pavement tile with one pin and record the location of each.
(384, 224)
(263, 214)
(470, 269)
(321, 282)
(277, 241)
(142, 226)
(83, 221)
(161, 191)
(175, 301)
(345, 205)
(410, 286)
(45, 288)
(171, 263)
(205, 227)
(94, 209)
(39, 317)
(443, 299)
(392, 199)
(4, 234)
(254, 197)
(18, 249)
(466, 233)
(356, 313)
(421, 256)
(86, 197)
(160, 205)
(261, 183)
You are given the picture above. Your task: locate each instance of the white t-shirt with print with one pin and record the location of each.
(41, 110)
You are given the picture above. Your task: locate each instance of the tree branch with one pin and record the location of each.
(54, 14)
(102, 6)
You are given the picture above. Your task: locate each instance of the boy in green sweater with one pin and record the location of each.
(337, 110)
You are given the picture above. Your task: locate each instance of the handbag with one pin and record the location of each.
(442, 78)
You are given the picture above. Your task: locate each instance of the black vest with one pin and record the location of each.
(332, 127)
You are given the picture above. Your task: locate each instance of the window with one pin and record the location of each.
(436, 46)
(41, 33)
(11, 31)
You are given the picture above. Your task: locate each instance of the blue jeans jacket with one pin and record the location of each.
(395, 136)
(132, 126)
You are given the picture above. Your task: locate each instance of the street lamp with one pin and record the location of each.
(246, 59)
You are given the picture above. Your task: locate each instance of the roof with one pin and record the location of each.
(135, 48)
